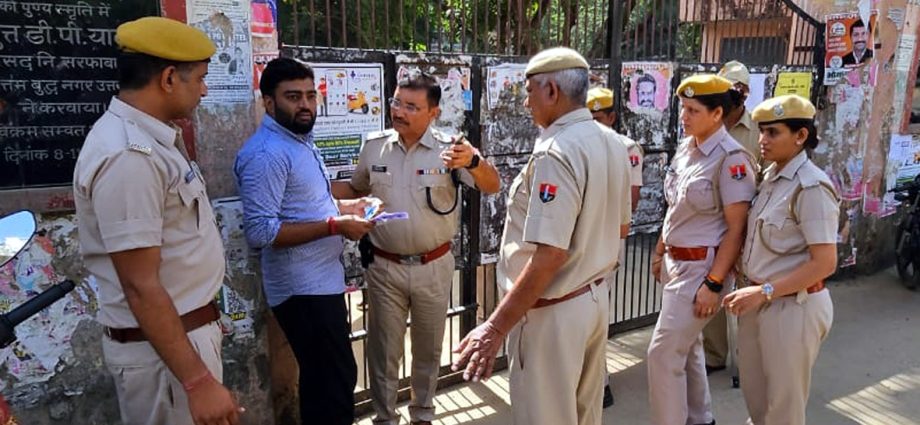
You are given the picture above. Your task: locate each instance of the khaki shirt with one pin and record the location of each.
(573, 194)
(747, 133)
(134, 187)
(699, 183)
(776, 242)
(402, 178)
(635, 160)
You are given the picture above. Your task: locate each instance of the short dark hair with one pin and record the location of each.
(419, 80)
(857, 24)
(647, 78)
(795, 125)
(280, 70)
(136, 70)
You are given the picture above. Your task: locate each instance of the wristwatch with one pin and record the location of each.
(474, 162)
(712, 285)
(767, 290)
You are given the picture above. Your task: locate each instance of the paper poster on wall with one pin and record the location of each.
(649, 86)
(505, 77)
(798, 83)
(647, 93)
(456, 94)
(849, 42)
(226, 22)
(908, 159)
(349, 106)
(906, 56)
(757, 92)
(900, 152)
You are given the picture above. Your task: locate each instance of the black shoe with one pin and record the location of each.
(713, 369)
(608, 397)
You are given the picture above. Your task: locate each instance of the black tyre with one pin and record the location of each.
(365, 108)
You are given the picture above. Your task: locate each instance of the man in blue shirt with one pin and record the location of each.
(289, 214)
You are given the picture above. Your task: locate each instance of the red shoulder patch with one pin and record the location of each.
(738, 171)
(547, 192)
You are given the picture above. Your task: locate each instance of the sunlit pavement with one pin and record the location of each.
(868, 371)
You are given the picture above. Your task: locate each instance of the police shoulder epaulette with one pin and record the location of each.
(137, 140)
(810, 176)
(374, 135)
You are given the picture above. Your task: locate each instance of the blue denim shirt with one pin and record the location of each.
(282, 179)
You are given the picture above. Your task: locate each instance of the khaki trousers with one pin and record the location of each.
(612, 291)
(148, 393)
(678, 387)
(777, 347)
(556, 362)
(396, 292)
(715, 340)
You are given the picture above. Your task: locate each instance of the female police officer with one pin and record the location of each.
(785, 313)
(708, 187)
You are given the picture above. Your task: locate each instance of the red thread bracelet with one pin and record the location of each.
(333, 229)
(194, 383)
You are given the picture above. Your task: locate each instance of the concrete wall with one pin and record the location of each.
(55, 374)
(856, 128)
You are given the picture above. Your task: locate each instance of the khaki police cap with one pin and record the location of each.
(736, 72)
(781, 108)
(599, 98)
(702, 85)
(555, 59)
(164, 38)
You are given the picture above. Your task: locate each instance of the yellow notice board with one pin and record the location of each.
(793, 83)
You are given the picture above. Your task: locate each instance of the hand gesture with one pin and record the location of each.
(477, 351)
(706, 302)
(212, 404)
(742, 301)
(353, 227)
(459, 155)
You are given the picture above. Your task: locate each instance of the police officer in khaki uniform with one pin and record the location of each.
(414, 169)
(148, 234)
(784, 311)
(708, 187)
(600, 102)
(738, 121)
(742, 128)
(564, 209)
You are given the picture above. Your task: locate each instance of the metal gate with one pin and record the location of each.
(761, 33)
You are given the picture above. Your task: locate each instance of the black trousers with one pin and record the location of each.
(317, 328)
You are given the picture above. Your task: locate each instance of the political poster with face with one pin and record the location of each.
(647, 97)
(850, 43)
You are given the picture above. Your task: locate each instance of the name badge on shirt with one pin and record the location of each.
(193, 172)
(379, 168)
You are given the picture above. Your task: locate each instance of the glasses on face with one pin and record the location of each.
(397, 104)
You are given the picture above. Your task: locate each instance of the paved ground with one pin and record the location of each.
(868, 371)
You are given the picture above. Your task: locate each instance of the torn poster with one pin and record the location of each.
(850, 43)
(507, 77)
(647, 96)
(226, 22)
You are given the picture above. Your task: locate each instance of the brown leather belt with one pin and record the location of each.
(190, 321)
(818, 287)
(546, 302)
(679, 253)
(414, 260)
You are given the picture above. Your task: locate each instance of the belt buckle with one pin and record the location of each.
(411, 260)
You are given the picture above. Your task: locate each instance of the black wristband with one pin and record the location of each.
(474, 162)
(712, 285)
